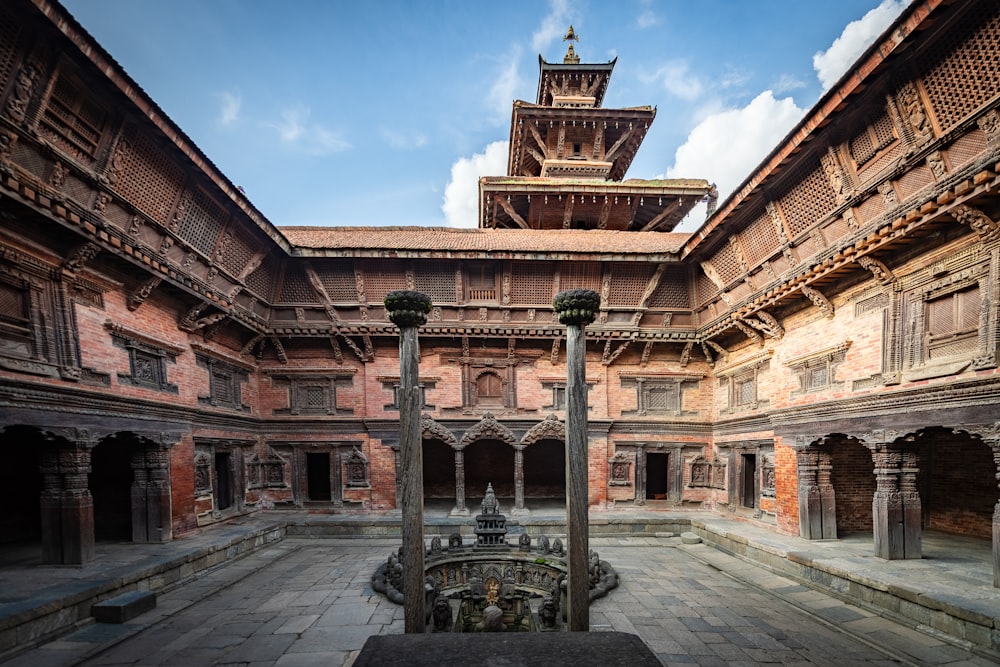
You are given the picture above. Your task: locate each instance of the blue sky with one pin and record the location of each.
(385, 113)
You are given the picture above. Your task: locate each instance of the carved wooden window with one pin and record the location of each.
(392, 384)
(225, 384)
(481, 285)
(489, 390)
(72, 118)
(877, 134)
(15, 325)
(313, 397)
(952, 324)
(745, 390)
(818, 370)
(558, 397)
(740, 384)
(147, 364)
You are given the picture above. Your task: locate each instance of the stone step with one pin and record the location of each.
(123, 607)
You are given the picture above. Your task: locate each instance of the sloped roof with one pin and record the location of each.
(339, 241)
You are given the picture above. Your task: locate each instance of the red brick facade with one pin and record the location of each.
(821, 354)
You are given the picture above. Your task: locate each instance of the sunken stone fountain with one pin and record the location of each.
(492, 586)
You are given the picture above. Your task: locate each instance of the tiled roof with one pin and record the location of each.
(365, 240)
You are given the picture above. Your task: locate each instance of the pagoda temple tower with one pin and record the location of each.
(568, 158)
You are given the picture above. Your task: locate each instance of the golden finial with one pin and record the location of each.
(571, 58)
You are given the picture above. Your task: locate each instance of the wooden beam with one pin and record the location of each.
(509, 210)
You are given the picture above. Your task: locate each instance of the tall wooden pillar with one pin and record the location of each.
(827, 495)
(896, 513)
(67, 508)
(995, 446)
(151, 520)
(577, 309)
(408, 310)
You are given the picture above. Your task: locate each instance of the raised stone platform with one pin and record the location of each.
(510, 649)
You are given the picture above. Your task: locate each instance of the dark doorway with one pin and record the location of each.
(749, 486)
(545, 470)
(223, 480)
(111, 488)
(318, 476)
(20, 485)
(439, 470)
(657, 467)
(489, 462)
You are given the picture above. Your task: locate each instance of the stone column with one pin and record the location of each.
(810, 515)
(408, 310)
(827, 495)
(896, 508)
(576, 309)
(140, 488)
(460, 508)
(913, 518)
(519, 508)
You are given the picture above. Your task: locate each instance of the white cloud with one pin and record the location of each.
(297, 132)
(831, 64)
(505, 85)
(787, 82)
(461, 195)
(553, 26)
(231, 104)
(402, 141)
(647, 19)
(725, 146)
(676, 79)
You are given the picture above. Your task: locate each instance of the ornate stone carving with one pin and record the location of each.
(835, 173)
(888, 194)
(818, 300)
(877, 268)
(488, 428)
(142, 292)
(24, 88)
(80, 256)
(989, 123)
(913, 110)
(549, 428)
(982, 224)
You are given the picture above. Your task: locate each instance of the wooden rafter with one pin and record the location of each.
(609, 156)
(509, 210)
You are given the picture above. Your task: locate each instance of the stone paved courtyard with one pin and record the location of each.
(309, 602)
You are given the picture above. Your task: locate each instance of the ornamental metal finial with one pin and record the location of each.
(571, 58)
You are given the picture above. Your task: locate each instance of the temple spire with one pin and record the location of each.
(571, 58)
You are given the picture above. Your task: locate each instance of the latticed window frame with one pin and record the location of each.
(17, 326)
(646, 391)
(144, 355)
(957, 295)
(299, 393)
(65, 124)
(225, 384)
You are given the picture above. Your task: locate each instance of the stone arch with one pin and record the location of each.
(956, 480)
(490, 449)
(836, 485)
(544, 460)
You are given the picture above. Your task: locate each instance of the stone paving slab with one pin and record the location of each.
(308, 601)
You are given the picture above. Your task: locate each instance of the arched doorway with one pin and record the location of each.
(957, 484)
(439, 474)
(545, 471)
(489, 462)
